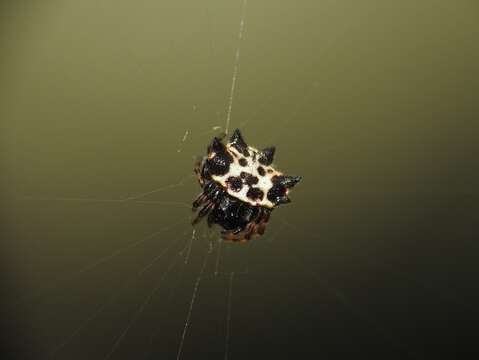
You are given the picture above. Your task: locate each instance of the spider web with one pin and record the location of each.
(117, 272)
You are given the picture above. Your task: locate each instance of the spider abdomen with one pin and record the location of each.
(240, 187)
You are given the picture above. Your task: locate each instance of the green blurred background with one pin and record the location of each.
(373, 102)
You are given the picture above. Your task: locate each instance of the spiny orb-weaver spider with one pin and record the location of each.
(240, 187)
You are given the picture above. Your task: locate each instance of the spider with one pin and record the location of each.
(240, 187)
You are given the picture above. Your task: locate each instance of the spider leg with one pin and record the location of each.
(263, 221)
(250, 230)
(258, 220)
(204, 210)
(260, 215)
(199, 201)
(239, 234)
(261, 228)
(233, 235)
(235, 231)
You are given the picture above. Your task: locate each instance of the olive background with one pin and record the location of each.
(374, 103)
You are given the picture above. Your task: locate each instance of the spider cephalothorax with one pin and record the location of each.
(240, 187)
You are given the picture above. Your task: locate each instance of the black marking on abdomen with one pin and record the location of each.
(255, 194)
(276, 192)
(235, 183)
(219, 164)
(251, 180)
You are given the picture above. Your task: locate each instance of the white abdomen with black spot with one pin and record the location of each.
(252, 168)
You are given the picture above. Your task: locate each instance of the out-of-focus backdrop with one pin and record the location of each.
(105, 106)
